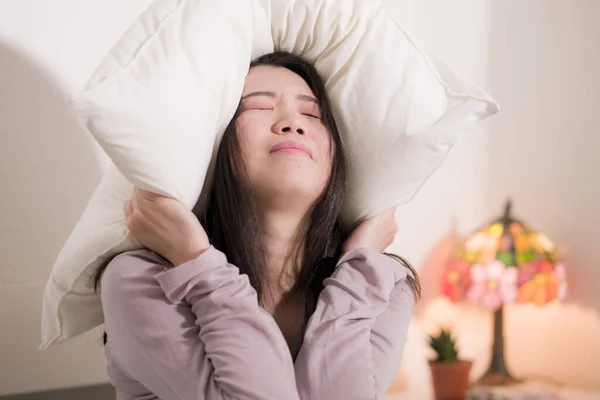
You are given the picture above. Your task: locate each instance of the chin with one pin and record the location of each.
(294, 185)
(301, 187)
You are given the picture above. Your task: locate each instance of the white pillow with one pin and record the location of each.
(161, 99)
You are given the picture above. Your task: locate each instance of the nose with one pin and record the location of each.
(289, 125)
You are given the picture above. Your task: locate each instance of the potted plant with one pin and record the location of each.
(450, 374)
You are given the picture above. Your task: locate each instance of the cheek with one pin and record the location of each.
(323, 141)
(249, 136)
(325, 162)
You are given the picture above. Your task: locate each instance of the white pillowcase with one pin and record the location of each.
(161, 99)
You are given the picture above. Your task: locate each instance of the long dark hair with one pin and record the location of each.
(238, 234)
(230, 216)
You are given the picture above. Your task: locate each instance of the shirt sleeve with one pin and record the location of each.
(355, 339)
(195, 331)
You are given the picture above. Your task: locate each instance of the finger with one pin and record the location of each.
(136, 207)
(133, 196)
(147, 195)
(127, 208)
(129, 218)
(386, 214)
(390, 240)
(139, 195)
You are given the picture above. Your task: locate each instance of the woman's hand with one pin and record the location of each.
(165, 226)
(375, 233)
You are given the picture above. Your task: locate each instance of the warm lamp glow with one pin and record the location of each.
(502, 263)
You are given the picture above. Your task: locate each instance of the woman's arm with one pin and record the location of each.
(195, 331)
(355, 339)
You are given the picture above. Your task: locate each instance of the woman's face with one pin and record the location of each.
(286, 147)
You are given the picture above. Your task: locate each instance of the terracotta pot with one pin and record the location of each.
(450, 380)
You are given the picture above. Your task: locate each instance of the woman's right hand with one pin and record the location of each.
(165, 226)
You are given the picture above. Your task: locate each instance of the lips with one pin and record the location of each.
(291, 146)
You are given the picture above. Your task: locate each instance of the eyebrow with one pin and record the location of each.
(301, 97)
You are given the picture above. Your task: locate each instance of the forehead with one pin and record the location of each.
(275, 79)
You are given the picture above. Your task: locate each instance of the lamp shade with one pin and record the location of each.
(506, 261)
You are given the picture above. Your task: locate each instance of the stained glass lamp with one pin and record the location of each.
(504, 262)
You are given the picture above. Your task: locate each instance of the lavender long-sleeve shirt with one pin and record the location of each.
(197, 331)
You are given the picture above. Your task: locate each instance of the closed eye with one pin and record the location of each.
(312, 116)
(257, 109)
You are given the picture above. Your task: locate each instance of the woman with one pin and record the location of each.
(263, 295)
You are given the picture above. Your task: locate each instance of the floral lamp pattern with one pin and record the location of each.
(502, 263)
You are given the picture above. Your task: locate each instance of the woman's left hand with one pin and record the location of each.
(375, 233)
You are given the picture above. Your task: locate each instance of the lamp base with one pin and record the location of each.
(497, 374)
(497, 379)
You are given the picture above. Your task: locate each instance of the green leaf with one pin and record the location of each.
(444, 346)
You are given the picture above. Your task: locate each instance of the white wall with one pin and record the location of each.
(539, 59)
(456, 198)
(539, 150)
(48, 169)
(545, 64)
